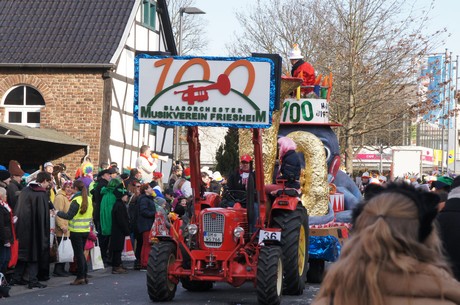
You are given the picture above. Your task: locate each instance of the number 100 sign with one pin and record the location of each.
(305, 111)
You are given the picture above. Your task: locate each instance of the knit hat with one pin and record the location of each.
(295, 52)
(157, 175)
(365, 175)
(15, 168)
(4, 174)
(187, 173)
(47, 164)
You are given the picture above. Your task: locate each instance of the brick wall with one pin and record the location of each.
(74, 100)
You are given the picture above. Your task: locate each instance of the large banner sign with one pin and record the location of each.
(204, 91)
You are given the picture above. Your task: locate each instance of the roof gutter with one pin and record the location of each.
(57, 65)
(167, 28)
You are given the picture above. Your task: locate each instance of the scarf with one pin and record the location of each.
(5, 205)
(146, 158)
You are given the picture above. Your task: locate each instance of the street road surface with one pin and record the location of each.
(106, 288)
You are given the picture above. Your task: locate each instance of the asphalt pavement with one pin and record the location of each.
(131, 288)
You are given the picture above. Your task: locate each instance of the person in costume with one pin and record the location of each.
(146, 164)
(290, 166)
(33, 230)
(302, 69)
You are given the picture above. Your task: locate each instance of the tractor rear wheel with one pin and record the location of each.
(161, 256)
(269, 275)
(294, 243)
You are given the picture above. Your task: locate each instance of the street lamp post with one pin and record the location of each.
(191, 10)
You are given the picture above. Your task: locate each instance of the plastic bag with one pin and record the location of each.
(65, 251)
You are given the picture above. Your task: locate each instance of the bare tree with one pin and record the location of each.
(193, 27)
(372, 49)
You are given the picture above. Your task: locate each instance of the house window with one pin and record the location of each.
(149, 13)
(23, 105)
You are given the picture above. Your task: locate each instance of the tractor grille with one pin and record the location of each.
(213, 223)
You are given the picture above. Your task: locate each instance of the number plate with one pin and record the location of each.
(212, 237)
(269, 235)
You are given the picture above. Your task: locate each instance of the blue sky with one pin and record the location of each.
(222, 22)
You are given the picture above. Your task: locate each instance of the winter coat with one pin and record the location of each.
(13, 190)
(146, 165)
(449, 229)
(61, 203)
(290, 169)
(6, 227)
(427, 285)
(147, 212)
(120, 226)
(108, 200)
(97, 198)
(33, 225)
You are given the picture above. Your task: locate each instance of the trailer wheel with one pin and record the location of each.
(315, 271)
(159, 287)
(270, 275)
(294, 243)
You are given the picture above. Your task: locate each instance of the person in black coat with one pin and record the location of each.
(145, 219)
(120, 229)
(449, 227)
(6, 231)
(33, 230)
(290, 166)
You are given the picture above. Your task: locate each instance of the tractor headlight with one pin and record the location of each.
(192, 229)
(238, 232)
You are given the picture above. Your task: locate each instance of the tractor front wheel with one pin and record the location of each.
(270, 275)
(294, 243)
(159, 287)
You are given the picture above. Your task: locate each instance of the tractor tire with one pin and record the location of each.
(194, 285)
(159, 287)
(315, 271)
(294, 243)
(270, 275)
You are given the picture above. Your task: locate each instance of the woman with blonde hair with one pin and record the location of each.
(393, 256)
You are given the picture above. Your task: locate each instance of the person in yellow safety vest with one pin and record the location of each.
(80, 216)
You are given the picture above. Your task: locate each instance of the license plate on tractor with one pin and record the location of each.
(212, 237)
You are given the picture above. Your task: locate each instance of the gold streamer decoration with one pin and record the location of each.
(313, 179)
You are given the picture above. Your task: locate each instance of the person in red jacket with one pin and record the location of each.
(302, 69)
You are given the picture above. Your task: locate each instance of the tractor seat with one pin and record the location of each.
(291, 192)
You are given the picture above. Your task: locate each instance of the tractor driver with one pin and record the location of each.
(237, 182)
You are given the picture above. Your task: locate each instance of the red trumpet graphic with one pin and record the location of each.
(200, 94)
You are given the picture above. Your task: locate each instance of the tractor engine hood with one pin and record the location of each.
(217, 226)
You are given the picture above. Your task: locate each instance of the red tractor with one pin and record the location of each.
(253, 241)
(263, 243)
